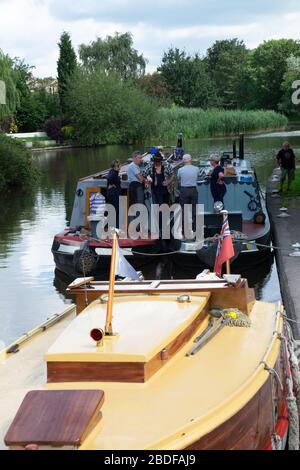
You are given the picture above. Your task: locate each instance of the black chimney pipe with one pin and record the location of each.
(234, 148)
(241, 147)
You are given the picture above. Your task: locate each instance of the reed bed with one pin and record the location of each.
(196, 122)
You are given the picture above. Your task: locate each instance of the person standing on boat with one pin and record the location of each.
(160, 175)
(217, 185)
(114, 187)
(187, 179)
(136, 179)
(287, 162)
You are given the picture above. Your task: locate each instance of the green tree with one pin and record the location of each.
(7, 75)
(17, 166)
(114, 54)
(226, 61)
(66, 66)
(105, 109)
(187, 79)
(270, 64)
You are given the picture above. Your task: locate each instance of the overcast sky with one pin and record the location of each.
(30, 29)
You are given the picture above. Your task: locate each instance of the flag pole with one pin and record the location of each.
(225, 214)
(108, 322)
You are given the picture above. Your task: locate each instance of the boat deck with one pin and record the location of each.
(181, 402)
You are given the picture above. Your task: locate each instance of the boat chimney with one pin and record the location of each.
(234, 148)
(241, 147)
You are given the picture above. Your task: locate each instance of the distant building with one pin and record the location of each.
(49, 84)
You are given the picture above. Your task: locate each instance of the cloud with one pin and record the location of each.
(30, 29)
(170, 13)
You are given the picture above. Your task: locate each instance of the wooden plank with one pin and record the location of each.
(80, 281)
(95, 372)
(55, 417)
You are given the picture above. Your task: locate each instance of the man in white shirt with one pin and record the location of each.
(188, 176)
(136, 180)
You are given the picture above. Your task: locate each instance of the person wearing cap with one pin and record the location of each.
(217, 185)
(159, 175)
(136, 179)
(187, 178)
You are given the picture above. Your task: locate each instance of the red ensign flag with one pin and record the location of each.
(225, 249)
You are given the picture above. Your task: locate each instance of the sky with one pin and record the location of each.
(30, 29)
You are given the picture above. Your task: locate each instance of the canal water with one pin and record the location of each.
(29, 290)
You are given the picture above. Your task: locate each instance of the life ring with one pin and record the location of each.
(259, 218)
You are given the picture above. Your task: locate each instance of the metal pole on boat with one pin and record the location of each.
(108, 323)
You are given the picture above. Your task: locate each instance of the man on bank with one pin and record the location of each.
(187, 179)
(287, 162)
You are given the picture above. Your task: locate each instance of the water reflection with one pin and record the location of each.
(28, 222)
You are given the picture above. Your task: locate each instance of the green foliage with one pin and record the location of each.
(198, 122)
(114, 54)
(17, 166)
(270, 65)
(226, 60)
(187, 80)
(104, 109)
(68, 132)
(66, 66)
(7, 75)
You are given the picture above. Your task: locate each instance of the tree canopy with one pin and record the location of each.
(66, 66)
(114, 54)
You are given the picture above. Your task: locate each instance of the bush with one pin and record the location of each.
(106, 110)
(53, 128)
(17, 166)
(68, 132)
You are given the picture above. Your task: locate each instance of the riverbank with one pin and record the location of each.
(286, 232)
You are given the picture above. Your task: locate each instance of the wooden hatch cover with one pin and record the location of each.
(55, 418)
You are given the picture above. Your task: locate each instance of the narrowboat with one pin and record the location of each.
(78, 251)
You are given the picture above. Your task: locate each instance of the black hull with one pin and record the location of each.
(242, 263)
(65, 264)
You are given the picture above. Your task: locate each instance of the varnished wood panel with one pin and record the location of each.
(95, 372)
(55, 417)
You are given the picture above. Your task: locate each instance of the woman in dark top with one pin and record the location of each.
(217, 185)
(114, 187)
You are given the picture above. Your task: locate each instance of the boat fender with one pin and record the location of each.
(259, 218)
(85, 261)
